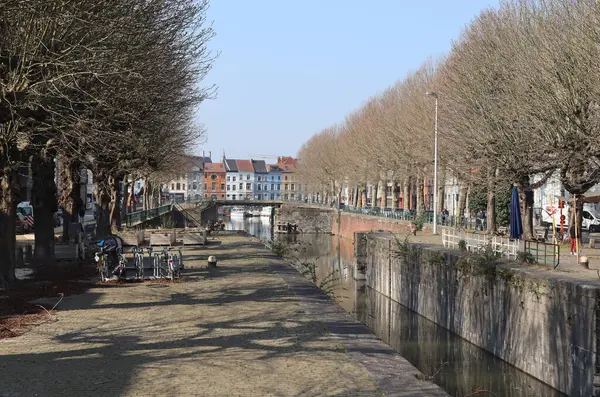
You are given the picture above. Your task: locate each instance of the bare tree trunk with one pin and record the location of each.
(394, 194)
(70, 193)
(131, 200)
(526, 197)
(374, 193)
(463, 192)
(115, 202)
(44, 207)
(147, 195)
(384, 200)
(363, 194)
(102, 208)
(406, 198)
(420, 195)
(8, 213)
(440, 193)
(491, 200)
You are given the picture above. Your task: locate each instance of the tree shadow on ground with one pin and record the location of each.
(101, 361)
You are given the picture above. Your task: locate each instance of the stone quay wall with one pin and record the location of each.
(345, 224)
(307, 219)
(542, 323)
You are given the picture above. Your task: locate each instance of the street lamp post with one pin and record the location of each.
(435, 160)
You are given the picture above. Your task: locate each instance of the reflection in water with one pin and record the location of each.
(456, 365)
(256, 226)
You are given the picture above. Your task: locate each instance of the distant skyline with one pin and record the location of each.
(287, 70)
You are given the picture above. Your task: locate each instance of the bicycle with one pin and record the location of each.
(138, 254)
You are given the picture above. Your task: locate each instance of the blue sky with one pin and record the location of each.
(288, 69)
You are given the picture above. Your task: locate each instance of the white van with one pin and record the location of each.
(590, 221)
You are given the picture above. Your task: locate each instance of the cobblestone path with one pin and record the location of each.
(236, 330)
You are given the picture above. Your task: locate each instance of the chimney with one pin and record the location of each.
(203, 155)
(210, 155)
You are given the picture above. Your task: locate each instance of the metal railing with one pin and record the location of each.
(544, 252)
(135, 218)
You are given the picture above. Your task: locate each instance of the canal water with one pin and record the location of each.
(459, 367)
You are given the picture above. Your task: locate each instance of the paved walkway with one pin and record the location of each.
(251, 327)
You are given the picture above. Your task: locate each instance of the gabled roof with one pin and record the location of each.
(273, 168)
(259, 166)
(287, 164)
(214, 167)
(231, 166)
(244, 166)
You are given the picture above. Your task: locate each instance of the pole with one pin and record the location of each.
(435, 167)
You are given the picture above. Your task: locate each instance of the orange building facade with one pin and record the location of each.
(214, 181)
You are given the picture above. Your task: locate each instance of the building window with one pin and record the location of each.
(172, 186)
(213, 177)
(248, 177)
(233, 196)
(292, 196)
(232, 187)
(205, 187)
(194, 186)
(228, 187)
(272, 186)
(222, 186)
(292, 187)
(248, 186)
(228, 178)
(213, 196)
(278, 177)
(258, 186)
(279, 186)
(266, 187)
(241, 186)
(258, 178)
(285, 186)
(183, 186)
(285, 177)
(222, 196)
(234, 178)
(213, 186)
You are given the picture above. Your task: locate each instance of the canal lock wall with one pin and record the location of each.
(544, 324)
(314, 219)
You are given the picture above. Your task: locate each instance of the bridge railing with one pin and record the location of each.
(140, 216)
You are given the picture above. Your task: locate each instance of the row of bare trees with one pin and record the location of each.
(519, 101)
(109, 85)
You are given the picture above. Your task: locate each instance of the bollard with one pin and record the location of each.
(29, 254)
(212, 261)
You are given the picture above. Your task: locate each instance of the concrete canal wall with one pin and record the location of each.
(544, 324)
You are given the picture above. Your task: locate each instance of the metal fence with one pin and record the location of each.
(544, 252)
(135, 218)
(507, 247)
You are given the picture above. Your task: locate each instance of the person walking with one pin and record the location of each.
(575, 234)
